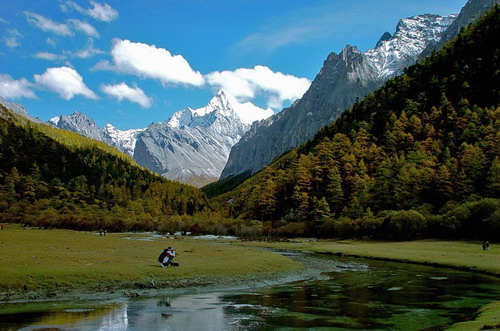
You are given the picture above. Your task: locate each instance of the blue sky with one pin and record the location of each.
(131, 63)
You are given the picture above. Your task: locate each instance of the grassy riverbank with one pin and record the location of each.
(455, 254)
(37, 264)
(45, 263)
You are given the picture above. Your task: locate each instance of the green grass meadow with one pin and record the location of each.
(457, 254)
(63, 260)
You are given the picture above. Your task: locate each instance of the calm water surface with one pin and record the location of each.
(350, 294)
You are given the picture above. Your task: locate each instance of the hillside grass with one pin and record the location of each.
(52, 262)
(65, 137)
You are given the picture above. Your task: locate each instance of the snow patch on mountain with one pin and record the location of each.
(412, 36)
(80, 123)
(193, 145)
(54, 120)
(124, 140)
(344, 78)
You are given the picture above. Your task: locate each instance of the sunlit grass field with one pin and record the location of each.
(60, 260)
(459, 254)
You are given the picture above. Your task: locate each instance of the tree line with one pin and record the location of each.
(418, 157)
(55, 178)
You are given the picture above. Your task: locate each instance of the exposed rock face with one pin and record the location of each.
(84, 125)
(19, 109)
(123, 140)
(385, 37)
(194, 144)
(79, 123)
(472, 10)
(344, 78)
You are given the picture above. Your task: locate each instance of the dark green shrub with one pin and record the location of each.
(346, 227)
(443, 226)
(370, 226)
(407, 225)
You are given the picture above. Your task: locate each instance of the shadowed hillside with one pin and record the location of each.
(55, 178)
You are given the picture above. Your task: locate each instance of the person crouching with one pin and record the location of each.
(166, 257)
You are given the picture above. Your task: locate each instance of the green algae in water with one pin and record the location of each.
(386, 295)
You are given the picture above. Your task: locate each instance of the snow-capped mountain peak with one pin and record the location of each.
(84, 125)
(54, 120)
(247, 112)
(222, 105)
(194, 144)
(191, 146)
(394, 53)
(343, 79)
(222, 102)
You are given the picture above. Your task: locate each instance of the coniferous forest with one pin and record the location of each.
(55, 178)
(420, 157)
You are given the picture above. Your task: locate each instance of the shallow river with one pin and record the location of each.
(349, 294)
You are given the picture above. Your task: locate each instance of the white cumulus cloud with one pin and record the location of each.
(13, 89)
(84, 27)
(148, 61)
(245, 84)
(123, 91)
(64, 81)
(46, 24)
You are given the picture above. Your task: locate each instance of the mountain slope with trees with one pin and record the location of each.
(55, 178)
(420, 156)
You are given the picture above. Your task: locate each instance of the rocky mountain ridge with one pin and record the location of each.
(123, 140)
(343, 79)
(18, 109)
(472, 10)
(192, 146)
